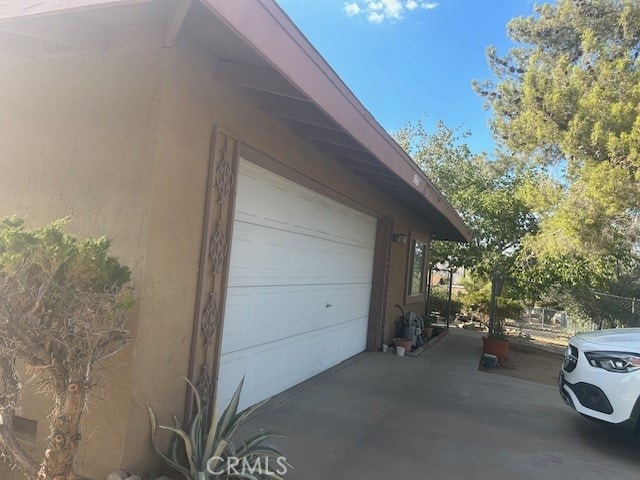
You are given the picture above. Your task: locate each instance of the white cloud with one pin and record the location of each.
(411, 5)
(378, 11)
(393, 9)
(351, 9)
(375, 17)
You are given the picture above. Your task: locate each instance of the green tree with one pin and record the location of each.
(62, 312)
(477, 299)
(568, 94)
(497, 199)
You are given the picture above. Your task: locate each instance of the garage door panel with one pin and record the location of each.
(303, 211)
(258, 315)
(278, 211)
(233, 368)
(303, 260)
(267, 365)
(243, 255)
(272, 306)
(298, 209)
(370, 232)
(273, 367)
(359, 296)
(296, 362)
(274, 257)
(262, 255)
(317, 352)
(334, 347)
(299, 310)
(298, 289)
(239, 314)
(246, 207)
(355, 337)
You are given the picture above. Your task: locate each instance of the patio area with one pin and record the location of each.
(380, 416)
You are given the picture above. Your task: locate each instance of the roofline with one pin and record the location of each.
(264, 26)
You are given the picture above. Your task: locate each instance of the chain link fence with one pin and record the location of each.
(586, 312)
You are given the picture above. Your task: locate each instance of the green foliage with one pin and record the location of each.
(86, 264)
(609, 309)
(477, 298)
(569, 95)
(62, 312)
(439, 300)
(61, 298)
(490, 196)
(208, 446)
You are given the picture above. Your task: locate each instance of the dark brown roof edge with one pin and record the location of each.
(267, 29)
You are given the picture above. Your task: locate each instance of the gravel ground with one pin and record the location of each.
(526, 362)
(534, 355)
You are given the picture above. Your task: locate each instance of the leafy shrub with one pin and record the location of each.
(62, 311)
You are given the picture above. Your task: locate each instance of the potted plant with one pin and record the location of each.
(403, 342)
(496, 342)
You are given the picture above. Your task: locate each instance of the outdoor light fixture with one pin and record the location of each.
(400, 238)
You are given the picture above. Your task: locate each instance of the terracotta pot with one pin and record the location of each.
(403, 342)
(428, 332)
(495, 347)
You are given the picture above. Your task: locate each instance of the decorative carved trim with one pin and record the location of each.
(217, 249)
(214, 258)
(205, 385)
(210, 320)
(224, 177)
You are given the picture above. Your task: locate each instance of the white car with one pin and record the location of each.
(600, 377)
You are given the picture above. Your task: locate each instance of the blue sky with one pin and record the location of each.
(410, 59)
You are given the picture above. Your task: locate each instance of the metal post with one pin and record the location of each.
(449, 300)
(428, 310)
(492, 308)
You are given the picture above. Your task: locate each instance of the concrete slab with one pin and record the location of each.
(437, 417)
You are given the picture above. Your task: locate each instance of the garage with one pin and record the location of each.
(299, 285)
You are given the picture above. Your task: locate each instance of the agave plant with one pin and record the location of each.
(206, 451)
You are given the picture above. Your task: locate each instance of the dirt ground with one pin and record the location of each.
(531, 360)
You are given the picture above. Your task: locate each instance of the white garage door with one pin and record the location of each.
(299, 286)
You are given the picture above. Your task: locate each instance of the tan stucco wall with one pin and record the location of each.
(121, 142)
(171, 272)
(78, 138)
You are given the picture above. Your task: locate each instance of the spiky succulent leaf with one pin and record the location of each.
(187, 446)
(230, 412)
(154, 429)
(240, 418)
(212, 450)
(199, 419)
(256, 440)
(211, 440)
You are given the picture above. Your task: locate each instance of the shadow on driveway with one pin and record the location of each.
(436, 416)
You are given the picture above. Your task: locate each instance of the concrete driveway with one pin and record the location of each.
(380, 416)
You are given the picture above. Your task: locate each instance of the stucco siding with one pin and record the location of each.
(77, 139)
(171, 272)
(121, 143)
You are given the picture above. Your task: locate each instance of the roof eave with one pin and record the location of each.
(268, 30)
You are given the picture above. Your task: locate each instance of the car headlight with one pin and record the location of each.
(619, 362)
